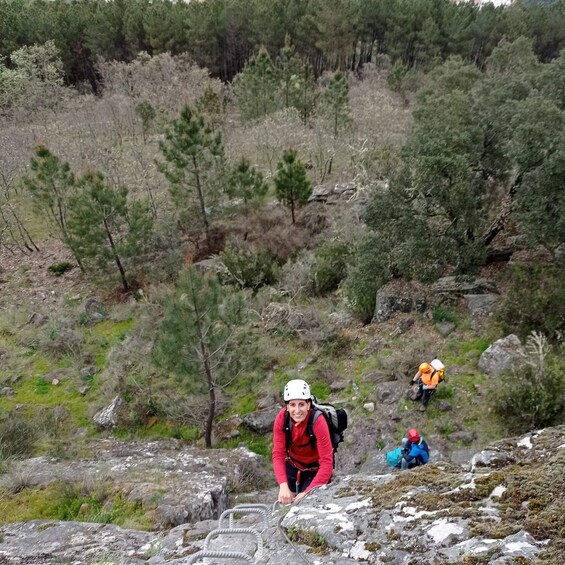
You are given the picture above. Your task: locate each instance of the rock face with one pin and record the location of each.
(505, 508)
(172, 484)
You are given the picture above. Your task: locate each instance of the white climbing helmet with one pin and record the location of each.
(297, 389)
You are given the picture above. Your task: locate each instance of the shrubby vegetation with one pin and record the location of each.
(212, 124)
(531, 395)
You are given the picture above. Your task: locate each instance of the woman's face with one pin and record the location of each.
(298, 409)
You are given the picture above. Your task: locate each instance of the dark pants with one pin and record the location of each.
(303, 478)
(425, 394)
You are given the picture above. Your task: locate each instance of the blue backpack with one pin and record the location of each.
(394, 457)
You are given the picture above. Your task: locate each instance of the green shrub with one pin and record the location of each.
(330, 267)
(249, 267)
(368, 273)
(18, 436)
(535, 301)
(443, 314)
(533, 395)
(320, 390)
(58, 269)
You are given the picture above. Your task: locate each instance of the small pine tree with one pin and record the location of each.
(292, 187)
(105, 226)
(50, 184)
(334, 104)
(197, 339)
(146, 113)
(246, 183)
(209, 105)
(194, 167)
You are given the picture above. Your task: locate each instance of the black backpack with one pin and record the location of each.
(335, 417)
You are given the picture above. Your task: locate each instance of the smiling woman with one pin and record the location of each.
(302, 448)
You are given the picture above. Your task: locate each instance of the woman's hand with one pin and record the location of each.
(285, 496)
(300, 496)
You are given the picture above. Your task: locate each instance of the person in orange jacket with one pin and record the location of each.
(300, 461)
(427, 378)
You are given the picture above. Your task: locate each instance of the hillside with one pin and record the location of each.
(201, 201)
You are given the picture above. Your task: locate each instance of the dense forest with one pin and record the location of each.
(221, 35)
(149, 137)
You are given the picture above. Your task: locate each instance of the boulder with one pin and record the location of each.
(107, 418)
(503, 353)
(389, 302)
(262, 421)
(462, 285)
(482, 304)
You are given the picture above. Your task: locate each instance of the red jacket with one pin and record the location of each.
(301, 449)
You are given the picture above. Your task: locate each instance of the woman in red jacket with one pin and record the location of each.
(307, 461)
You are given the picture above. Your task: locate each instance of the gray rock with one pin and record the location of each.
(402, 327)
(37, 319)
(276, 315)
(95, 310)
(332, 194)
(503, 353)
(6, 391)
(445, 328)
(337, 386)
(389, 392)
(107, 418)
(87, 372)
(83, 390)
(341, 319)
(482, 304)
(465, 438)
(463, 285)
(444, 406)
(261, 422)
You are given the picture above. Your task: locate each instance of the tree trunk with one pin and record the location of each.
(211, 397)
(201, 198)
(116, 257)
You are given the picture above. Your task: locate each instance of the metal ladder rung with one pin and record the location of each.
(247, 509)
(219, 554)
(237, 531)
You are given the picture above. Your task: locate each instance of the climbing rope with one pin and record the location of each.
(303, 556)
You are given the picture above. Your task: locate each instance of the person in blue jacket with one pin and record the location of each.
(415, 450)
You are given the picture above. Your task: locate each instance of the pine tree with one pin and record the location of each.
(297, 83)
(256, 87)
(334, 105)
(246, 183)
(292, 187)
(104, 226)
(209, 105)
(194, 162)
(197, 339)
(50, 183)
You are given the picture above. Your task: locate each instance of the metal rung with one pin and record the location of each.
(219, 554)
(237, 531)
(244, 509)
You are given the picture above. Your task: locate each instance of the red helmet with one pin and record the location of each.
(413, 435)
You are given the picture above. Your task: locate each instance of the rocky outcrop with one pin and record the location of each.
(342, 191)
(172, 484)
(505, 507)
